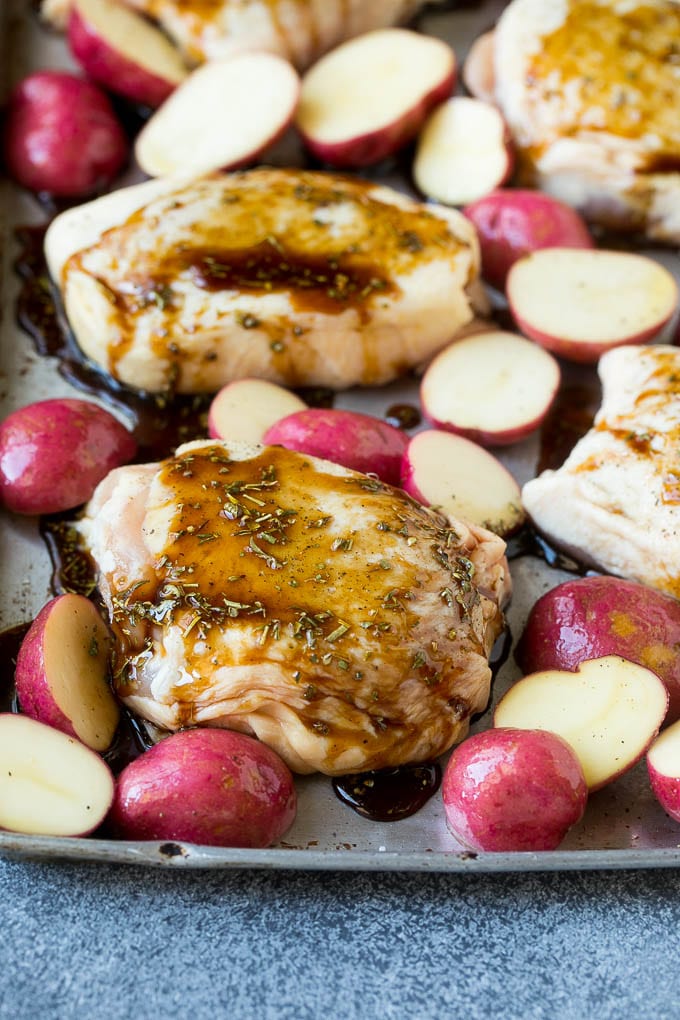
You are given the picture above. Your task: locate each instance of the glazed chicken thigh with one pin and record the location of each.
(591, 91)
(297, 277)
(327, 613)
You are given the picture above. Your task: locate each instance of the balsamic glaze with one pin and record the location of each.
(10, 642)
(389, 795)
(403, 416)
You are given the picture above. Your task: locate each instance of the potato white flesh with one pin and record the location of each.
(663, 766)
(519, 381)
(124, 52)
(62, 672)
(463, 480)
(224, 115)
(478, 69)
(580, 303)
(247, 408)
(609, 711)
(369, 96)
(50, 784)
(462, 152)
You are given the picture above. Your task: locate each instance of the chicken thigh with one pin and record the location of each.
(297, 277)
(591, 91)
(262, 590)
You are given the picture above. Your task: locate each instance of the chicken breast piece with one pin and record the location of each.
(299, 30)
(590, 90)
(299, 278)
(329, 614)
(615, 502)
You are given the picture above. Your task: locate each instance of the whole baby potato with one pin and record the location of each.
(54, 453)
(62, 135)
(356, 441)
(508, 790)
(592, 617)
(208, 786)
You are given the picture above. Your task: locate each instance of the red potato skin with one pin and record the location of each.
(208, 786)
(112, 69)
(357, 441)
(369, 149)
(62, 136)
(509, 790)
(512, 223)
(666, 789)
(593, 617)
(33, 691)
(54, 453)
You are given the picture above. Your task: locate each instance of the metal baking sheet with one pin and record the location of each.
(623, 827)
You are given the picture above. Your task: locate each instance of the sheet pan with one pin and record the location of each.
(623, 827)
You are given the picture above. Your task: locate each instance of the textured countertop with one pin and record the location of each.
(90, 941)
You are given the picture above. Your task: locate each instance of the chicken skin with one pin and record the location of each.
(590, 90)
(262, 590)
(297, 277)
(615, 502)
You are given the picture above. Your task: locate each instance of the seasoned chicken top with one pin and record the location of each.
(591, 90)
(300, 278)
(615, 502)
(263, 590)
(300, 30)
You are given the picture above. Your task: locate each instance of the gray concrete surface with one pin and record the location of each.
(90, 941)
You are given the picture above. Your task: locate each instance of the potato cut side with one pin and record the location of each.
(50, 784)
(580, 302)
(224, 115)
(609, 711)
(664, 754)
(478, 69)
(245, 409)
(462, 152)
(463, 480)
(519, 381)
(369, 96)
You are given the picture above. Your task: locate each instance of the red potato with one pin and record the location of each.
(366, 99)
(462, 480)
(478, 70)
(54, 453)
(596, 616)
(208, 786)
(579, 303)
(50, 783)
(62, 672)
(463, 153)
(357, 441)
(124, 52)
(223, 116)
(245, 409)
(663, 766)
(512, 223)
(62, 136)
(609, 711)
(519, 381)
(513, 790)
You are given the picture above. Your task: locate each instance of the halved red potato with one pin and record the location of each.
(663, 766)
(246, 408)
(463, 152)
(463, 480)
(208, 786)
(54, 453)
(590, 617)
(357, 441)
(50, 783)
(609, 711)
(62, 672)
(124, 52)
(513, 790)
(478, 70)
(518, 378)
(511, 223)
(61, 135)
(223, 116)
(366, 99)
(579, 303)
